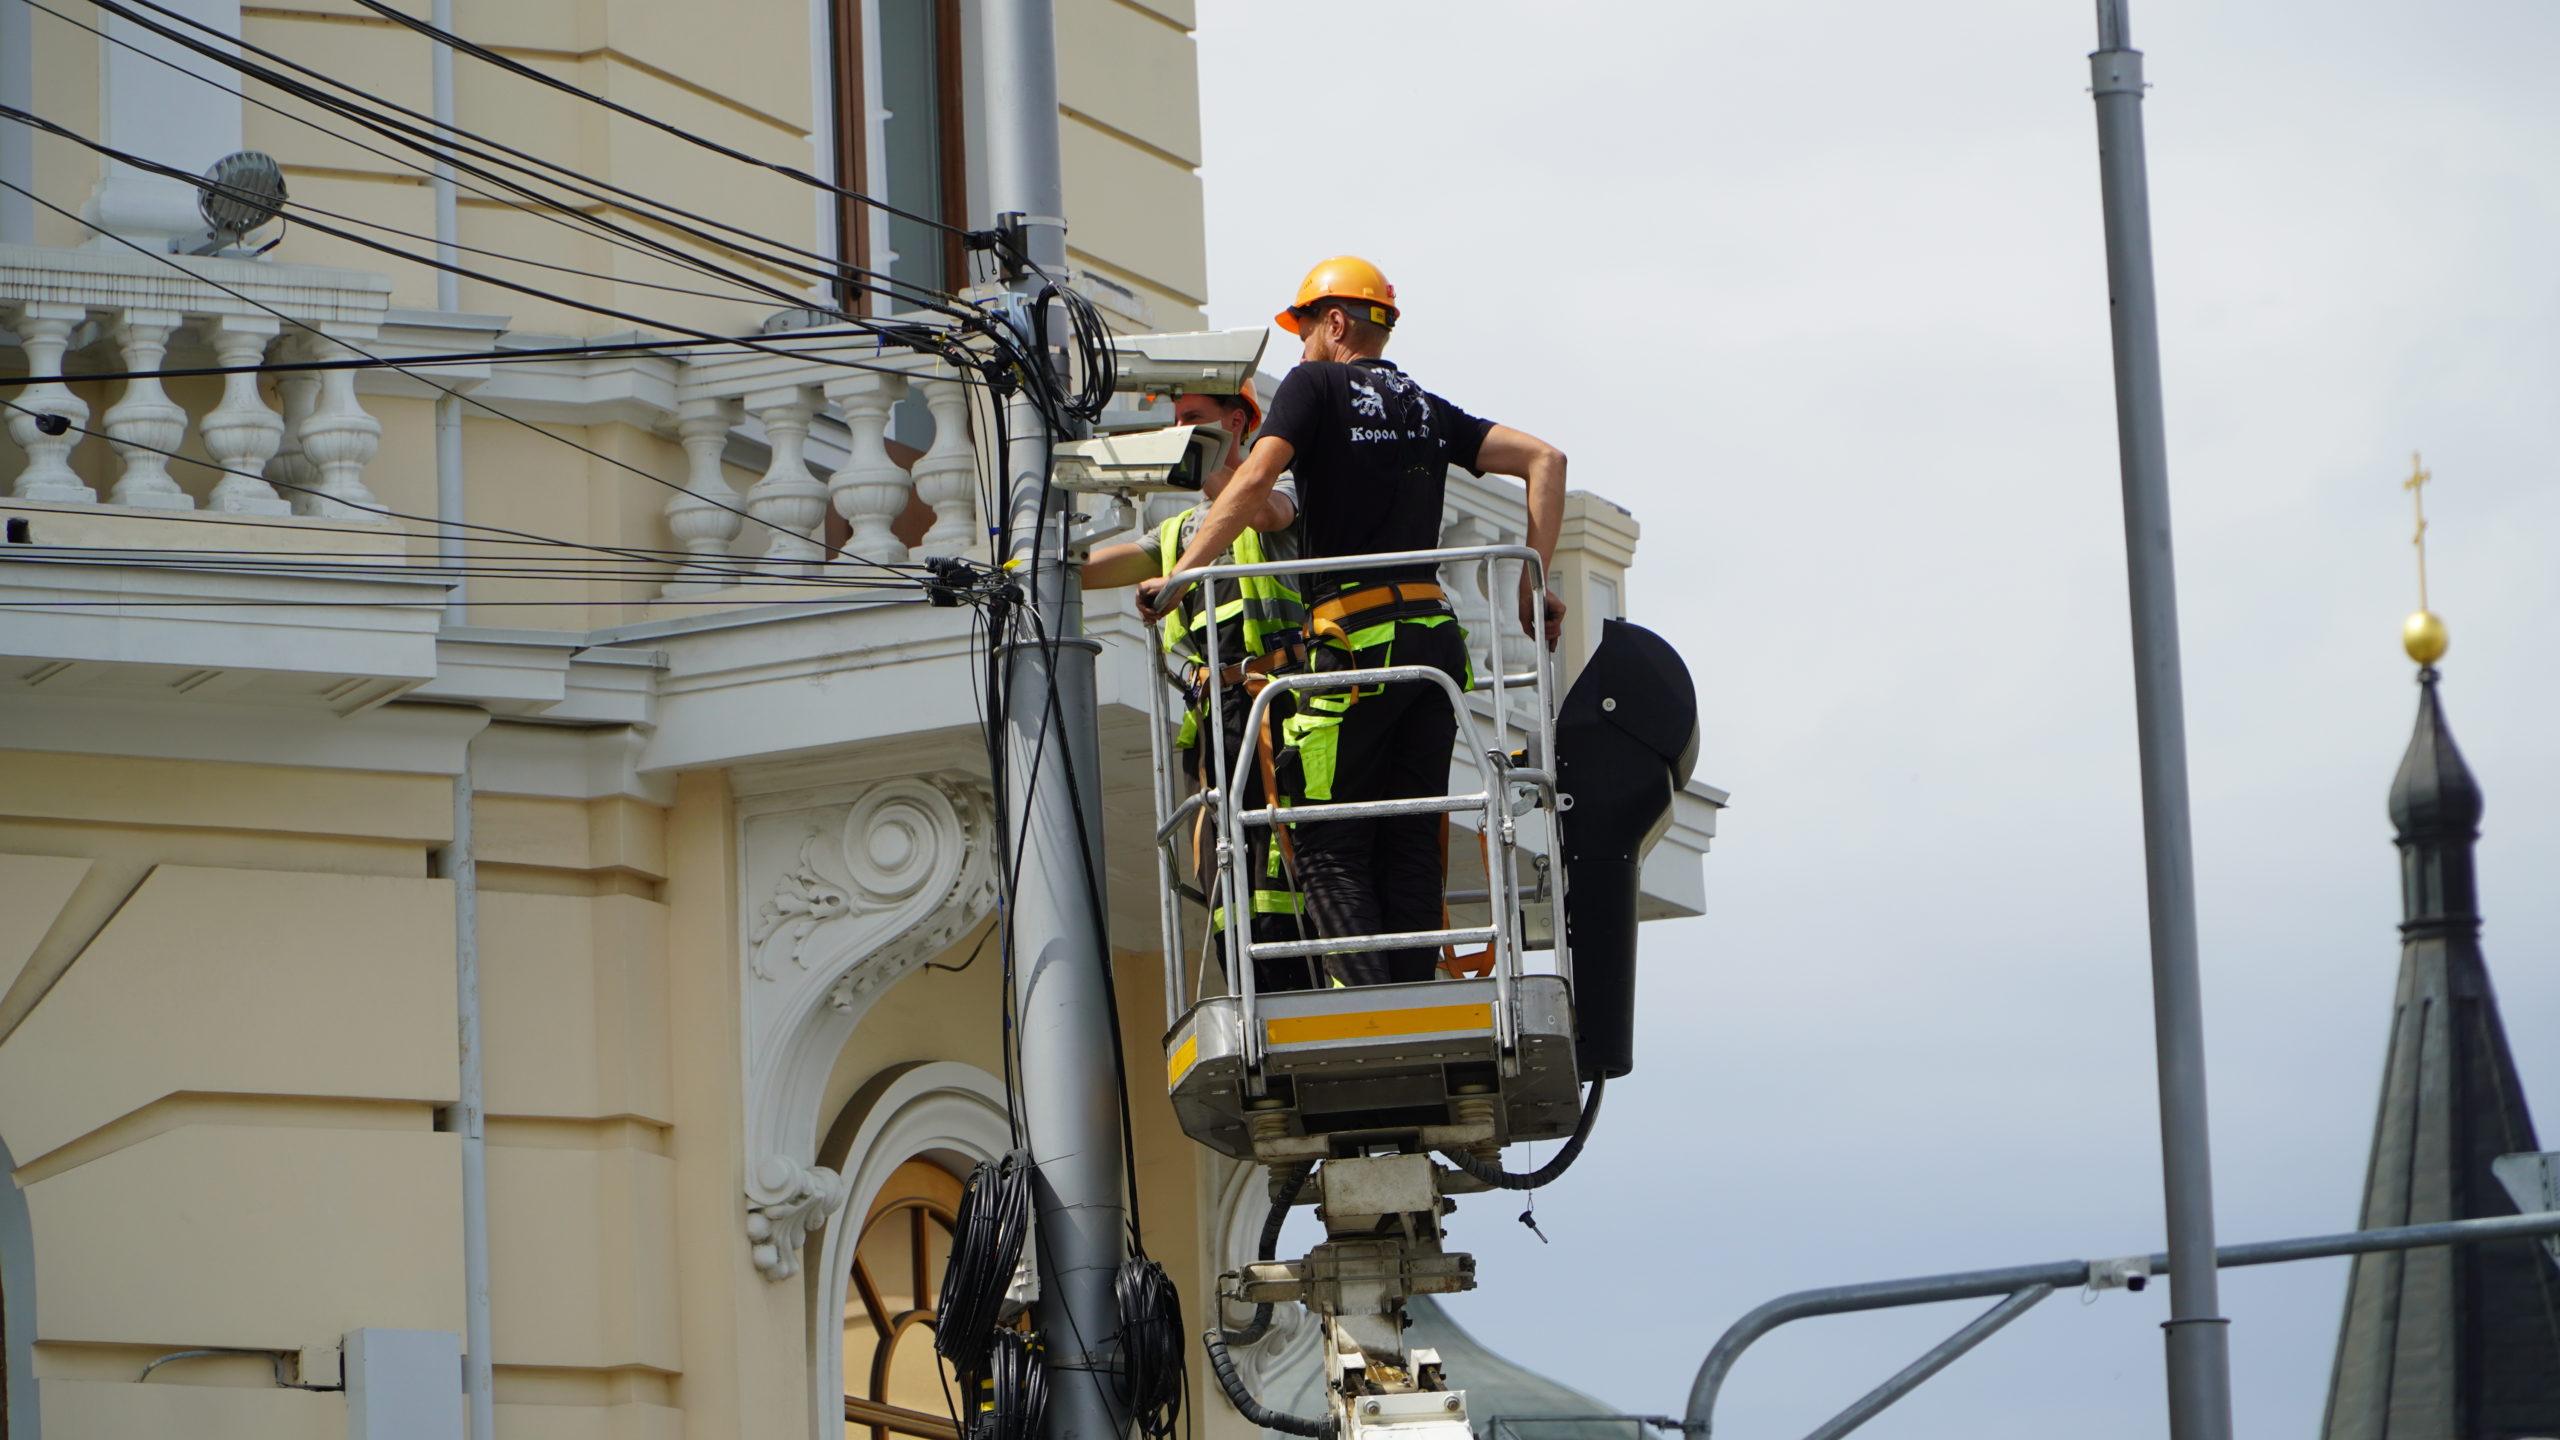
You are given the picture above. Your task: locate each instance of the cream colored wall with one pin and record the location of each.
(583, 1233)
(226, 991)
(1129, 113)
(228, 1028)
(738, 74)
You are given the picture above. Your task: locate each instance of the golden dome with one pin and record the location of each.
(2423, 636)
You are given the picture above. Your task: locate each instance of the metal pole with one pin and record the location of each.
(17, 142)
(448, 299)
(468, 1116)
(1941, 1355)
(2199, 1347)
(1069, 1090)
(2012, 1280)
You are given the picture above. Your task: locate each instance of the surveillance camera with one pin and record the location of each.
(1177, 457)
(1205, 362)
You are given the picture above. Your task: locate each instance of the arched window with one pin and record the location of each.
(894, 1383)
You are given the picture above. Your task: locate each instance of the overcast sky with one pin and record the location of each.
(1816, 288)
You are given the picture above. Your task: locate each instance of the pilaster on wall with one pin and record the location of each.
(1597, 545)
(148, 111)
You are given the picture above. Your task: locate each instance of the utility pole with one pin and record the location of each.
(2199, 1341)
(1069, 1089)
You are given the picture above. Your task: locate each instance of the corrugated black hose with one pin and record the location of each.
(1501, 1179)
(1254, 1410)
(1269, 1249)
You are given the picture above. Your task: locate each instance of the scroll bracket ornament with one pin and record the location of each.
(847, 891)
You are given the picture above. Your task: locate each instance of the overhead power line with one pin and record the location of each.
(745, 570)
(366, 110)
(518, 67)
(547, 211)
(919, 337)
(667, 349)
(429, 381)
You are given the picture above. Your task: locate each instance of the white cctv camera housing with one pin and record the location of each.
(1177, 457)
(1204, 362)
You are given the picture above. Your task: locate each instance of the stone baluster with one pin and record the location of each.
(947, 476)
(45, 330)
(299, 391)
(704, 518)
(871, 489)
(241, 433)
(788, 501)
(145, 425)
(1464, 579)
(339, 439)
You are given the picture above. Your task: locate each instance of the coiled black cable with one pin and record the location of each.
(986, 1248)
(1494, 1175)
(1152, 1379)
(1013, 1395)
(1269, 1248)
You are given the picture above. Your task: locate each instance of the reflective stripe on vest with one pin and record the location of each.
(1266, 604)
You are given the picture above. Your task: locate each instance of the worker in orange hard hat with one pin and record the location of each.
(1370, 450)
(1260, 622)
(1346, 278)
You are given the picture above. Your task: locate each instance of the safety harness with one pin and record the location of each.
(1272, 618)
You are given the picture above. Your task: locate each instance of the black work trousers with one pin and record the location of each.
(1381, 876)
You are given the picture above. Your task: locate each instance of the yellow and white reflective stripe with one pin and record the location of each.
(1376, 1024)
(1185, 1055)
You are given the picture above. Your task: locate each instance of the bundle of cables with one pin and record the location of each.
(1013, 1393)
(1153, 1382)
(986, 1249)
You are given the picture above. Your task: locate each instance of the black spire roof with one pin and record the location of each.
(2460, 1343)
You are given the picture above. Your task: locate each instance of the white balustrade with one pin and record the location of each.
(788, 502)
(705, 517)
(291, 470)
(340, 439)
(45, 330)
(870, 490)
(801, 400)
(137, 308)
(947, 475)
(145, 425)
(241, 433)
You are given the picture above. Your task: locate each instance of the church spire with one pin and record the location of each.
(2458, 1343)
(2435, 810)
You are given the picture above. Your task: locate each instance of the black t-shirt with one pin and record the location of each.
(1373, 451)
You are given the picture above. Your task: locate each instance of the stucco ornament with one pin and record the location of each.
(848, 889)
(810, 1193)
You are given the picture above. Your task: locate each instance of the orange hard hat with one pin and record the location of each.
(1344, 277)
(1245, 397)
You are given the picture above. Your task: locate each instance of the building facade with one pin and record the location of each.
(716, 792)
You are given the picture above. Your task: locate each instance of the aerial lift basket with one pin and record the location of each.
(1286, 1076)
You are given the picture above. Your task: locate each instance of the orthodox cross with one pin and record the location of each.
(2416, 485)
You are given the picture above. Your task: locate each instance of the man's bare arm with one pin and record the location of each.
(1276, 513)
(1115, 565)
(1244, 498)
(1507, 451)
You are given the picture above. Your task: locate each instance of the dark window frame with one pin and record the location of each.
(851, 129)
